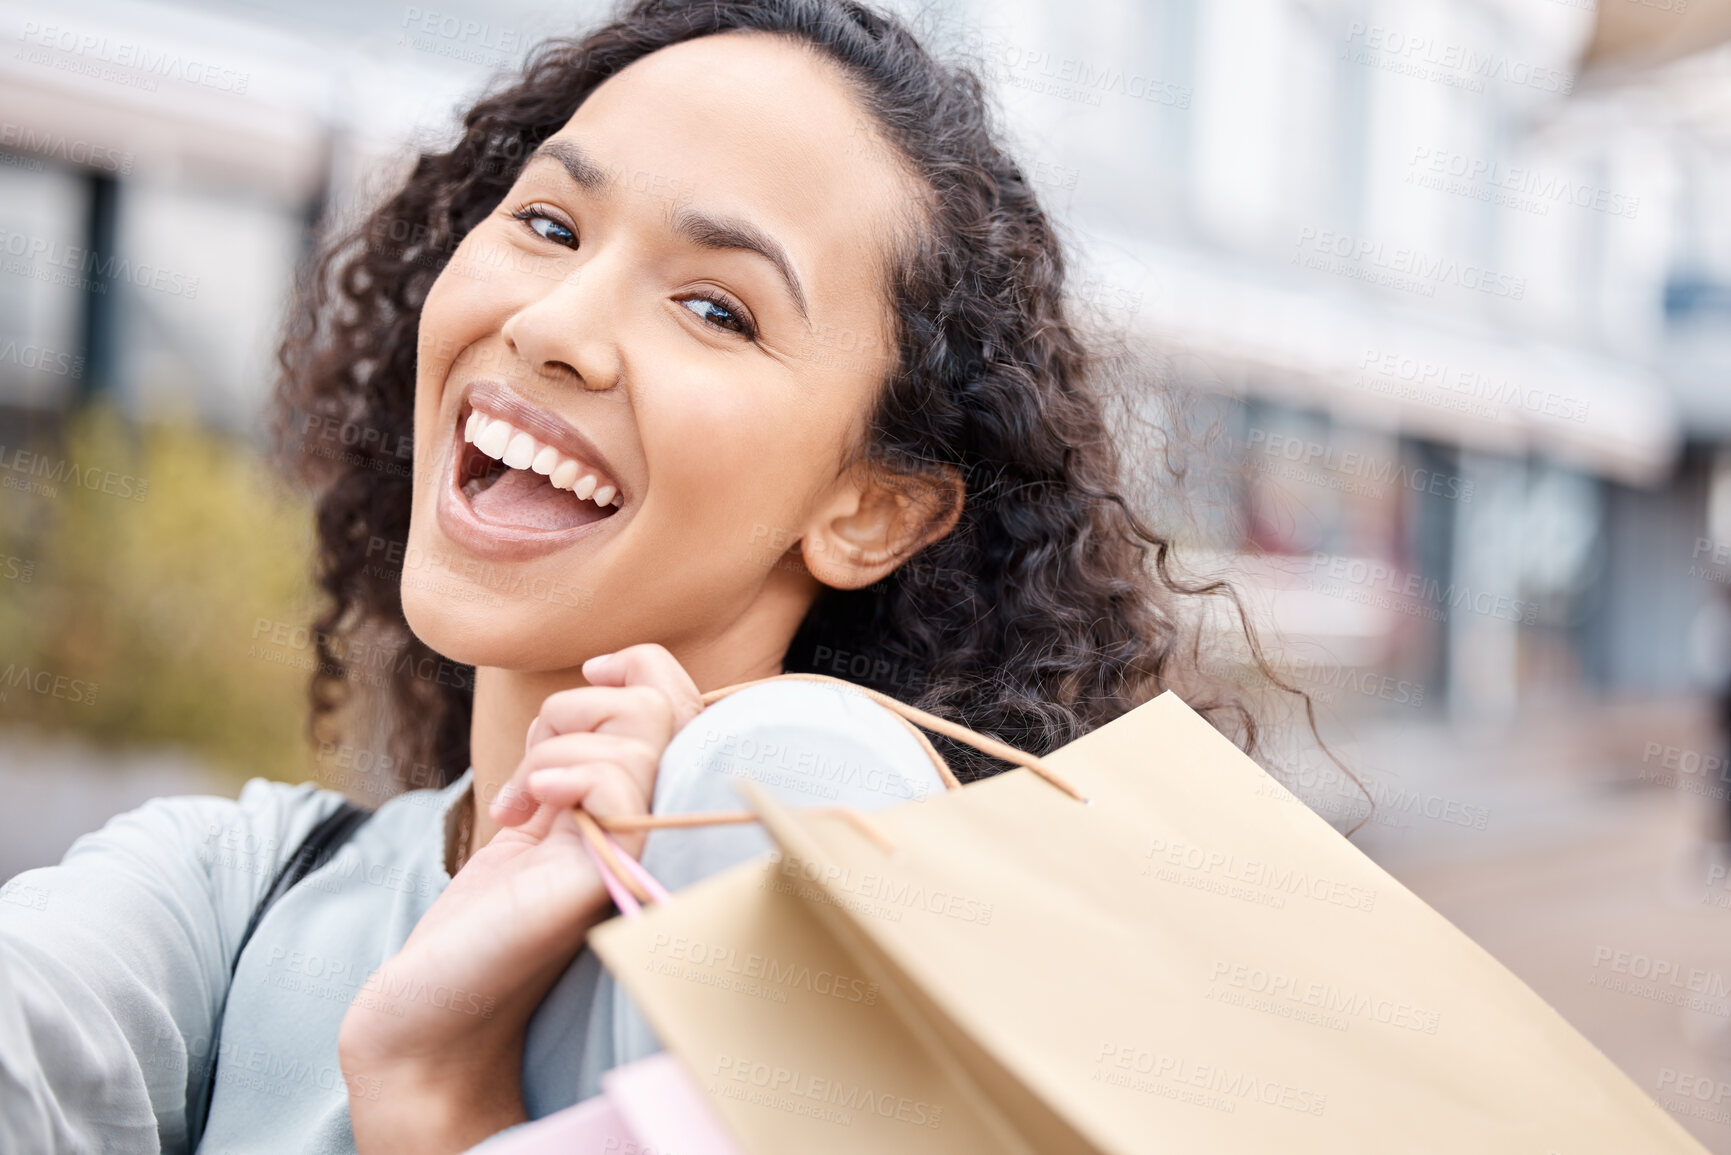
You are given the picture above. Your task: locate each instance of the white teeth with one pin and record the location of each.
(503, 442)
(492, 440)
(520, 451)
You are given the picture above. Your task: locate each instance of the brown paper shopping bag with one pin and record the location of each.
(1189, 960)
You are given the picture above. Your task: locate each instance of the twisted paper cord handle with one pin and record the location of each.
(608, 852)
(907, 714)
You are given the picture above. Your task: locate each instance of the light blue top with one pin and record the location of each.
(114, 965)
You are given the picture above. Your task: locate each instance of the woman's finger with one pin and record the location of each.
(637, 711)
(515, 803)
(604, 789)
(649, 664)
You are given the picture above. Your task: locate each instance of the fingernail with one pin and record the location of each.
(599, 663)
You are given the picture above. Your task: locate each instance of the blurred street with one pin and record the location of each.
(57, 788)
(1590, 849)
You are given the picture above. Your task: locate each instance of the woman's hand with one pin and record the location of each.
(437, 1031)
(598, 747)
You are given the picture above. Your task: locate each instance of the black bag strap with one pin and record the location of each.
(321, 842)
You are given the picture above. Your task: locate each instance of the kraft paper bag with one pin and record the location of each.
(1191, 960)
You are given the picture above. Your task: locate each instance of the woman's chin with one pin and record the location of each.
(469, 630)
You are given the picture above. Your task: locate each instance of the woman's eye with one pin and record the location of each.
(545, 226)
(715, 313)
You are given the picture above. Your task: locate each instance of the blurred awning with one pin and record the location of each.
(246, 146)
(1246, 332)
(262, 99)
(1642, 35)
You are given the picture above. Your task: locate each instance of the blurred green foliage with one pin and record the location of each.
(145, 571)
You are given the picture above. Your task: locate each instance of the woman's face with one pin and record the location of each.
(672, 329)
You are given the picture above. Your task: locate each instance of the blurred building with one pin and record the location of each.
(1464, 270)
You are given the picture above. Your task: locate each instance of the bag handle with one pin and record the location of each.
(624, 875)
(630, 884)
(908, 715)
(629, 881)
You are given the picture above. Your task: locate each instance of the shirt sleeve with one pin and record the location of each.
(114, 966)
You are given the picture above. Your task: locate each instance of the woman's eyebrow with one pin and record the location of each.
(590, 176)
(728, 233)
(701, 229)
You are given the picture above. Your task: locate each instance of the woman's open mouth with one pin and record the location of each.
(522, 480)
(510, 478)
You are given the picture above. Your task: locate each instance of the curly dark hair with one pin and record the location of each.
(1051, 608)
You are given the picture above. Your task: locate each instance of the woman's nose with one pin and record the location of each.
(570, 325)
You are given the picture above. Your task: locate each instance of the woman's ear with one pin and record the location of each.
(874, 520)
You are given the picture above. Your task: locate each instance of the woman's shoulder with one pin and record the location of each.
(264, 823)
(250, 836)
(829, 733)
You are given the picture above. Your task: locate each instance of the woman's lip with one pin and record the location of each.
(496, 400)
(497, 542)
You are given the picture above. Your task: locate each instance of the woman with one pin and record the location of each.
(731, 343)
